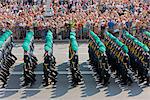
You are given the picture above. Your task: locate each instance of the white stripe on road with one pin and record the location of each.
(59, 72)
(23, 89)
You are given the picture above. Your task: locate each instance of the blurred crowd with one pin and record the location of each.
(78, 15)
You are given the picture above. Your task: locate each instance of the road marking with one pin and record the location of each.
(23, 89)
(59, 72)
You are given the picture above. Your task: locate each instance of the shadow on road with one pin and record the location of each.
(4, 94)
(37, 85)
(14, 82)
(62, 85)
(86, 88)
(113, 88)
(134, 90)
(19, 68)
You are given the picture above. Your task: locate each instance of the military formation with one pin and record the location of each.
(98, 59)
(49, 68)
(139, 54)
(30, 61)
(126, 59)
(7, 59)
(118, 59)
(145, 38)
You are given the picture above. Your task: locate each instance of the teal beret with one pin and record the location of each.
(125, 49)
(72, 37)
(25, 47)
(9, 31)
(102, 49)
(145, 48)
(49, 44)
(2, 38)
(97, 40)
(92, 33)
(74, 45)
(30, 33)
(147, 33)
(73, 33)
(47, 48)
(49, 33)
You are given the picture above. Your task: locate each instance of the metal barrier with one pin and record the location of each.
(62, 33)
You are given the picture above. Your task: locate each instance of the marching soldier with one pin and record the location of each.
(49, 67)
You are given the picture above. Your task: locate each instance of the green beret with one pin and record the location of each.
(74, 45)
(30, 33)
(120, 44)
(2, 38)
(72, 37)
(28, 37)
(8, 31)
(6, 35)
(49, 39)
(73, 33)
(25, 46)
(100, 44)
(127, 34)
(92, 33)
(47, 48)
(125, 49)
(49, 33)
(97, 40)
(49, 44)
(145, 48)
(108, 33)
(102, 49)
(112, 37)
(49, 36)
(135, 41)
(140, 44)
(116, 41)
(147, 33)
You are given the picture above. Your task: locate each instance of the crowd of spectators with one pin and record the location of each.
(78, 15)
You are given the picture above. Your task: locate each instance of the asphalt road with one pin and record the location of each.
(87, 90)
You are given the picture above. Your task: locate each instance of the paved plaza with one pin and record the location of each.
(87, 90)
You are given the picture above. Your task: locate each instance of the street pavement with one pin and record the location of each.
(87, 90)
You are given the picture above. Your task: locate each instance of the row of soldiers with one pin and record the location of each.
(74, 60)
(140, 57)
(98, 59)
(145, 38)
(49, 67)
(30, 61)
(118, 58)
(7, 59)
